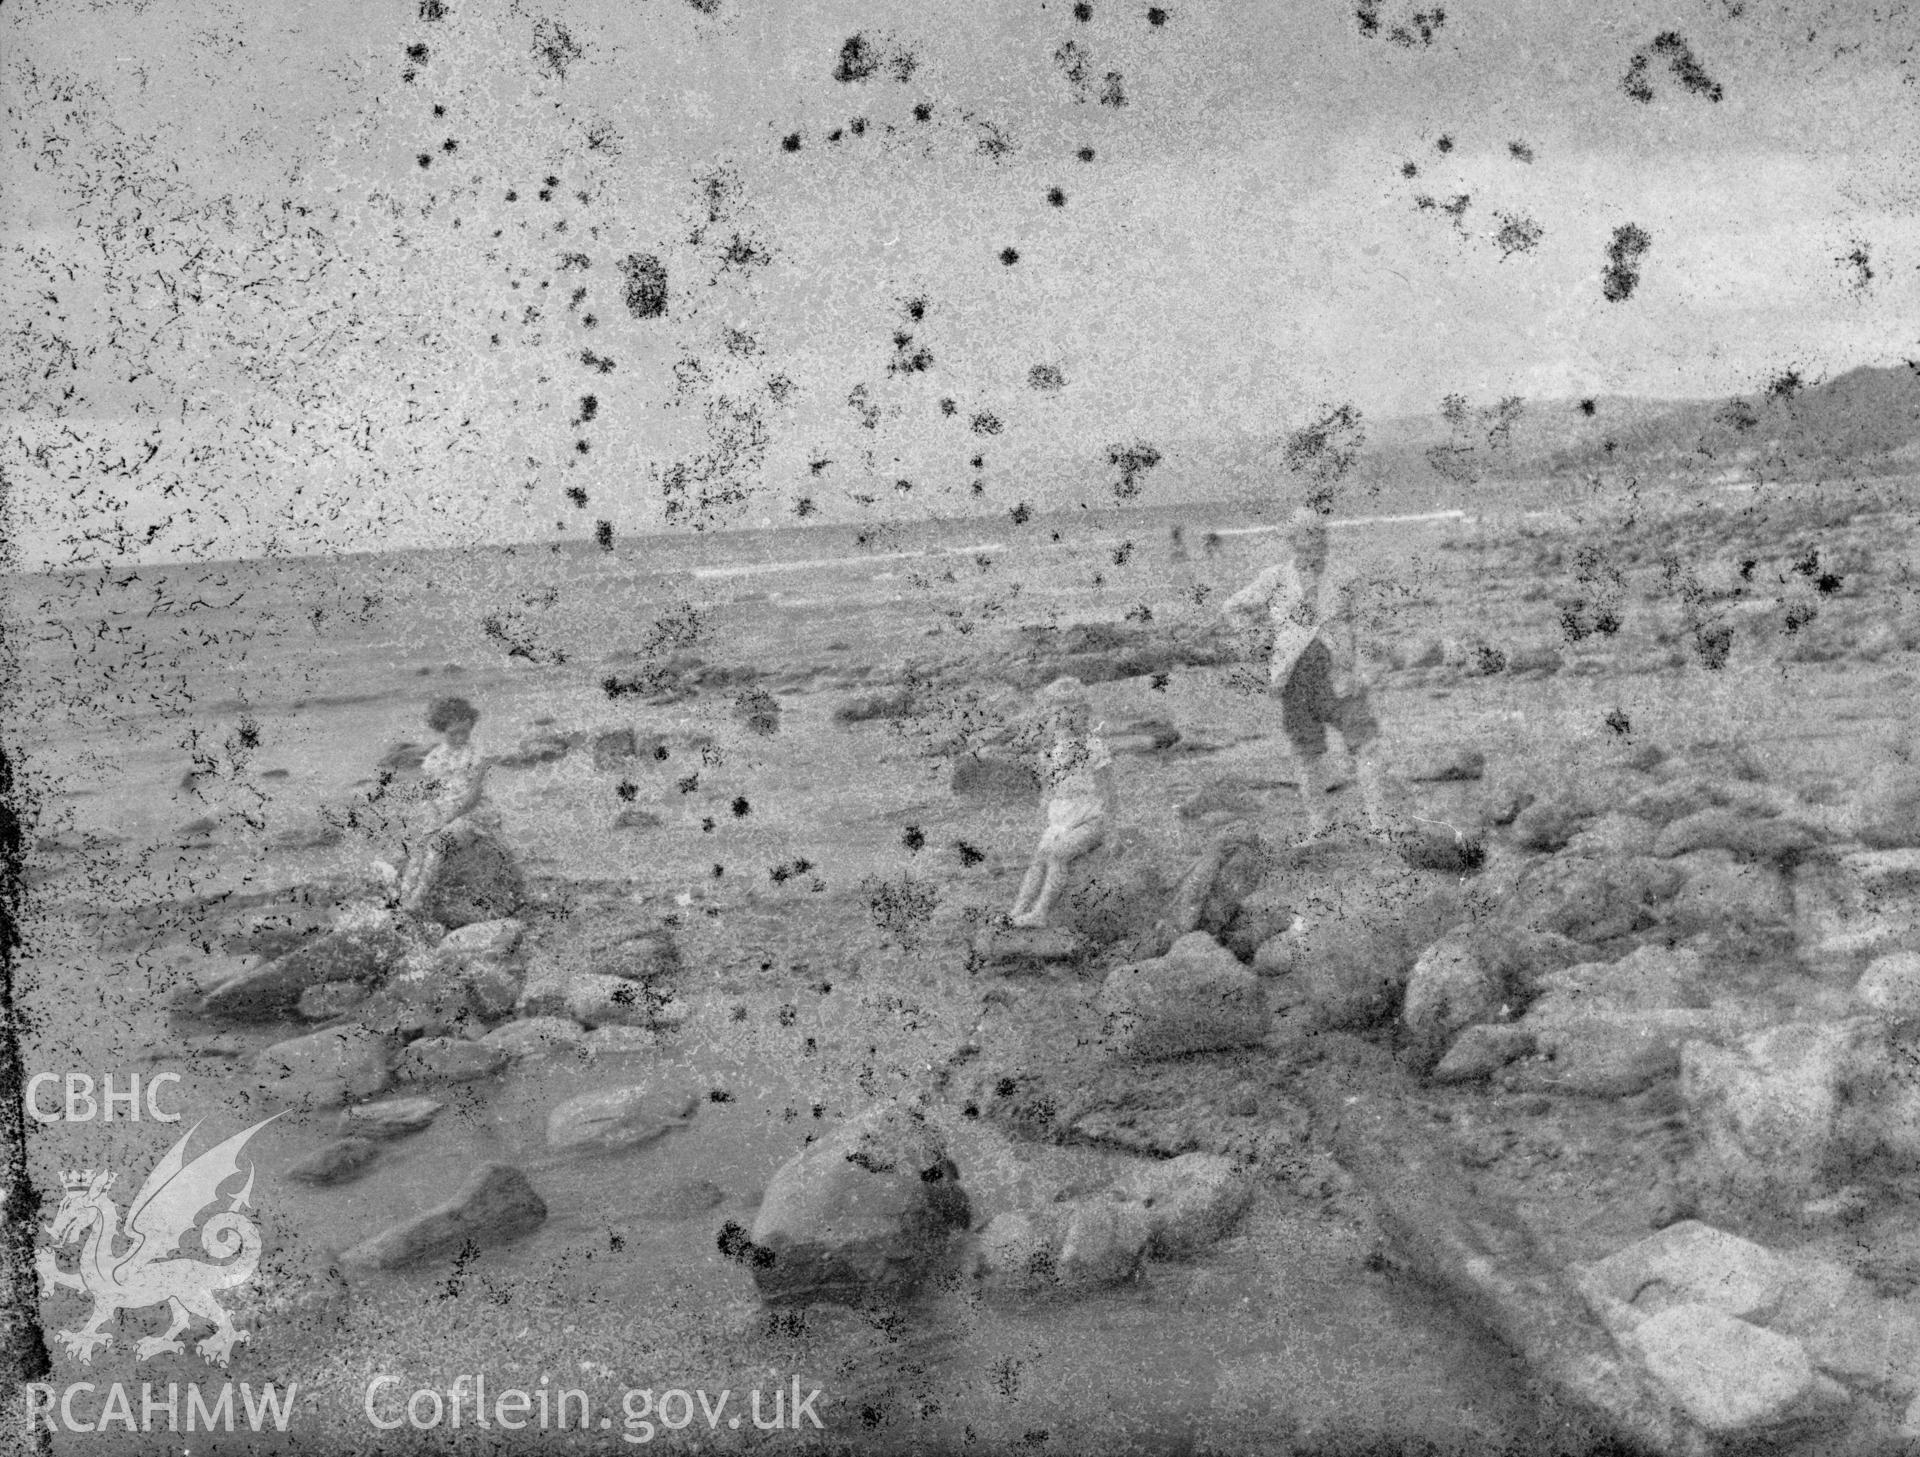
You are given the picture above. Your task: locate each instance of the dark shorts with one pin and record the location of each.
(1309, 706)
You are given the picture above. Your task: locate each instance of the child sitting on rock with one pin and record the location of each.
(455, 783)
(1080, 801)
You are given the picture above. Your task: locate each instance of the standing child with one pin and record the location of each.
(1080, 802)
(1316, 668)
(455, 782)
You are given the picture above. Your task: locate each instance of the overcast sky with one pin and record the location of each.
(1243, 249)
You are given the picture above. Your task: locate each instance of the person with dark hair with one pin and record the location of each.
(1316, 668)
(455, 783)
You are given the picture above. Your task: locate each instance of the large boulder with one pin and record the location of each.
(1766, 1112)
(1751, 836)
(1647, 979)
(1210, 894)
(1694, 1262)
(1450, 988)
(496, 1204)
(364, 954)
(1890, 986)
(1548, 823)
(325, 1069)
(1196, 998)
(1589, 900)
(1723, 888)
(1849, 909)
(1603, 1053)
(1734, 1378)
(864, 1214)
(480, 881)
(613, 1119)
(1191, 1201)
(1348, 963)
(1885, 812)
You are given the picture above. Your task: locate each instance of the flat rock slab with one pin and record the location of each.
(1730, 1376)
(1014, 948)
(619, 1118)
(448, 1060)
(1484, 1256)
(391, 1117)
(338, 1162)
(538, 1037)
(496, 1205)
(264, 993)
(325, 1069)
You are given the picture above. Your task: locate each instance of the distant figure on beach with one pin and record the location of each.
(1080, 800)
(1316, 668)
(455, 782)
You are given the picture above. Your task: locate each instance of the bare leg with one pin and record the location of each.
(1373, 788)
(1030, 888)
(1313, 791)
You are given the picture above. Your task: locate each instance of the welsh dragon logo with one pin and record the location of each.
(151, 1269)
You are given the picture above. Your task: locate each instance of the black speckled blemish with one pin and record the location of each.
(1009, 256)
(603, 535)
(1046, 378)
(790, 142)
(1624, 252)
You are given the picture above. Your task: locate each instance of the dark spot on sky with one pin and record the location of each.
(1443, 145)
(1520, 151)
(627, 790)
(424, 160)
(1786, 384)
(1587, 407)
(923, 111)
(1367, 13)
(1858, 261)
(790, 142)
(979, 462)
(1828, 583)
(1156, 15)
(834, 135)
(949, 407)
(1518, 234)
(1085, 154)
(1009, 256)
(438, 109)
(858, 126)
(449, 145)
(512, 196)
(1635, 82)
(1021, 514)
(1113, 90)
(986, 423)
(741, 807)
(1409, 169)
(603, 535)
(1618, 722)
(1057, 196)
(546, 194)
(916, 309)
(581, 447)
(857, 61)
(1685, 66)
(577, 495)
(417, 52)
(433, 10)
(913, 839)
(968, 855)
(646, 292)
(1045, 377)
(1083, 12)
(1622, 274)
